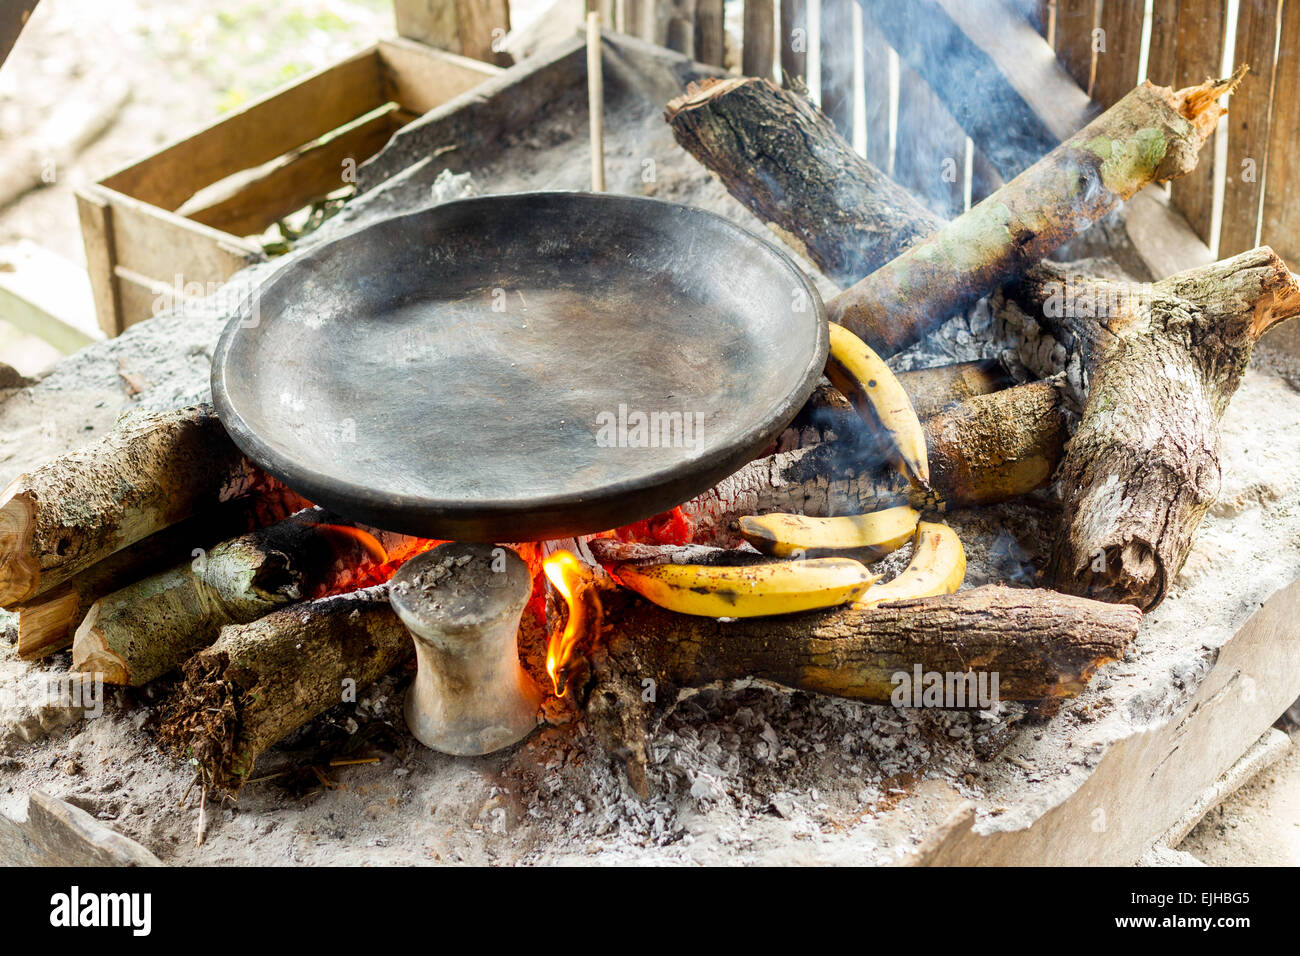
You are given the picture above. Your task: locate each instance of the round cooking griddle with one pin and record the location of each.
(521, 367)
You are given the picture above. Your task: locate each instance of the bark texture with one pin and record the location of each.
(1162, 361)
(74, 511)
(151, 626)
(47, 623)
(782, 158)
(1043, 646)
(263, 680)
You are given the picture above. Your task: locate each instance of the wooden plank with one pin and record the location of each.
(419, 78)
(143, 297)
(837, 64)
(1120, 52)
(794, 40)
(930, 156)
(1248, 126)
(1004, 88)
(1162, 53)
(710, 37)
(56, 833)
(47, 296)
(95, 215)
(756, 53)
(1280, 227)
(260, 131)
(162, 245)
(1201, 25)
(1039, 14)
(1075, 20)
(468, 27)
(679, 34)
(875, 93)
(300, 178)
(483, 24)
(434, 22)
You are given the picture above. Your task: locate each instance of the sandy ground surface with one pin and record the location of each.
(188, 61)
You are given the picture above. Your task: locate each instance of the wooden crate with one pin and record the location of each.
(289, 148)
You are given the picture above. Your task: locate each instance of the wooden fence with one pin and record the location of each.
(884, 70)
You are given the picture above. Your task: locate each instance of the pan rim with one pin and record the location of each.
(366, 502)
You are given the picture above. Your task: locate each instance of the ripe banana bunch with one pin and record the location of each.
(938, 566)
(878, 533)
(869, 384)
(754, 590)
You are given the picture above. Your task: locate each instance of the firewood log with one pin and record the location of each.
(1162, 362)
(789, 166)
(1041, 644)
(262, 680)
(149, 627)
(986, 450)
(47, 622)
(72, 512)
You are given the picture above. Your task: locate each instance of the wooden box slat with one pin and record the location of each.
(1201, 25)
(303, 134)
(1117, 65)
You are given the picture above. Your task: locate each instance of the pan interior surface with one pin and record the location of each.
(509, 367)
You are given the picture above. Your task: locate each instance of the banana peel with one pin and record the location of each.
(875, 535)
(938, 566)
(757, 590)
(873, 389)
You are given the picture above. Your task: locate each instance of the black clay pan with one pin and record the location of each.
(520, 367)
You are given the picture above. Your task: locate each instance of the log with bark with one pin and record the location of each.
(986, 450)
(1043, 646)
(1162, 362)
(46, 624)
(151, 626)
(263, 680)
(72, 512)
(787, 164)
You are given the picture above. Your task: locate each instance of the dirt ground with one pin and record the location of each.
(186, 62)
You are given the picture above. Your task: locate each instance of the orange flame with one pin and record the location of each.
(571, 578)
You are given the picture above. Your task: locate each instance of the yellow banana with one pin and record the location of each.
(784, 535)
(938, 566)
(754, 590)
(870, 385)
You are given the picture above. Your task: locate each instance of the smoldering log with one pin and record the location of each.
(1041, 644)
(985, 450)
(151, 626)
(931, 390)
(736, 129)
(1163, 361)
(47, 623)
(72, 512)
(263, 680)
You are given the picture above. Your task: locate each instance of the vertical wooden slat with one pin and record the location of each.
(875, 92)
(837, 64)
(1040, 16)
(794, 40)
(1248, 126)
(930, 154)
(482, 22)
(1201, 25)
(1117, 63)
(679, 33)
(756, 54)
(710, 38)
(1162, 55)
(101, 259)
(1281, 223)
(1075, 20)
